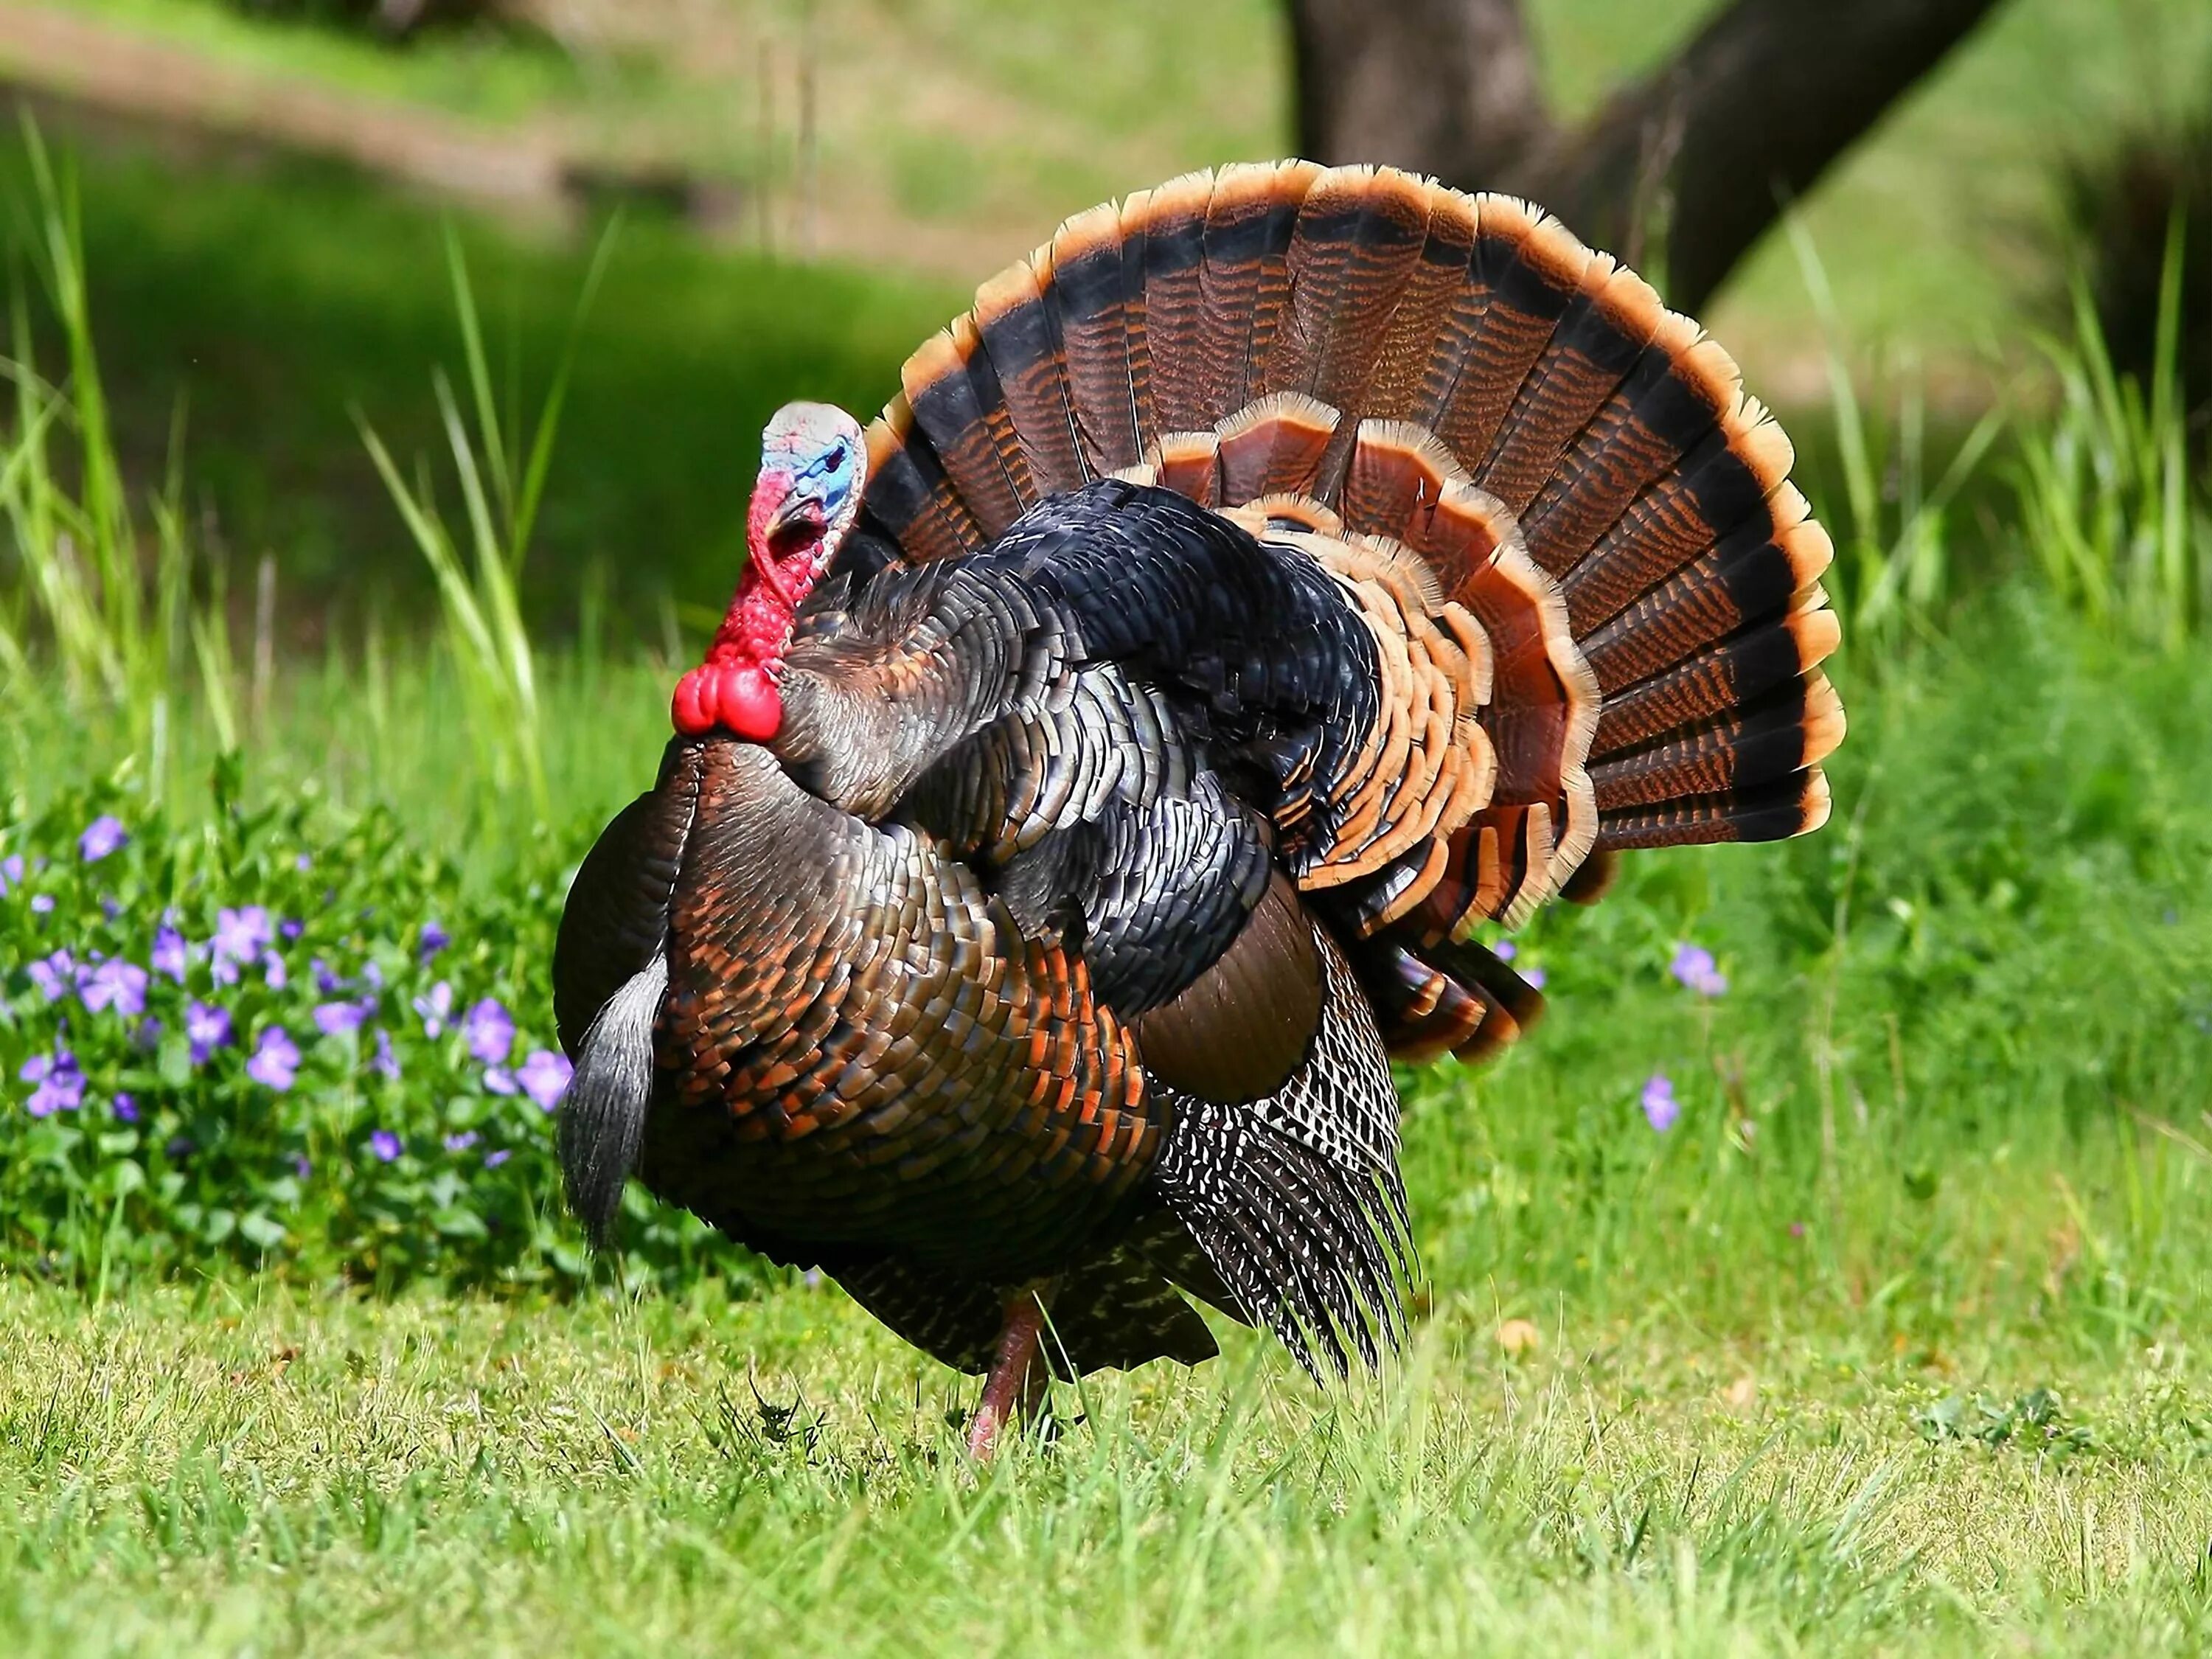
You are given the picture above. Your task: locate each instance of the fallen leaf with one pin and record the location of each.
(1518, 1336)
(1741, 1395)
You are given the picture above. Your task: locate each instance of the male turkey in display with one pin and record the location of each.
(1108, 754)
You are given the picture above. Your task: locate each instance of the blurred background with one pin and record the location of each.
(808, 186)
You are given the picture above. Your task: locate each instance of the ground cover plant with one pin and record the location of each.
(1825, 1275)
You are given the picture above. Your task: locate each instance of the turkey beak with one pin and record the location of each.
(797, 512)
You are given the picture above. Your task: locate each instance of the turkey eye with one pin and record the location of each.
(836, 458)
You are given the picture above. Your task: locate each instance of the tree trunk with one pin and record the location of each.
(1696, 158)
(1447, 87)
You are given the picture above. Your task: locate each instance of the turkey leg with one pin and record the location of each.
(1015, 1390)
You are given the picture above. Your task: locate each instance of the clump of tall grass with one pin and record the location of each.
(2124, 205)
(2109, 508)
(114, 614)
(501, 486)
(2119, 526)
(83, 591)
(1894, 525)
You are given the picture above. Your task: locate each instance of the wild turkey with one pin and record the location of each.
(1108, 754)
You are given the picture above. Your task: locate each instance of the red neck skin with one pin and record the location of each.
(735, 688)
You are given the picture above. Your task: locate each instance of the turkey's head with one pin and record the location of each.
(814, 462)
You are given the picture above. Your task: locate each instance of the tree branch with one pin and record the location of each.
(1705, 150)
(1749, 114)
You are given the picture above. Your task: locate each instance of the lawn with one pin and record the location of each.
(232, 1470)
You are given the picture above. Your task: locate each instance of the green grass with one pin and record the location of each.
(213, 1474)
(271, 308)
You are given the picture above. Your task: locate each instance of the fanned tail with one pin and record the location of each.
(1598, 592)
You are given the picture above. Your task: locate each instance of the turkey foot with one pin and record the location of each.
(1015, 1390)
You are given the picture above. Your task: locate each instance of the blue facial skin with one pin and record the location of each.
(828, 478)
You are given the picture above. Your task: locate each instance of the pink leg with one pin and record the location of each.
(1016, 1386)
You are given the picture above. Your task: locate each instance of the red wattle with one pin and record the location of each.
(738, 697)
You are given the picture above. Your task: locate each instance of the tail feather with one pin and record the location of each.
(603, 1113)
(1446, 998)
(1679, 392)
(1022, 334)
(1797, 725)
(1594, 344)
(958, 405)
(1359, 232)
(1136, 321)
(1396, 370)
(1753, 576)
(1739, 668)
(1530, 269)
(1271, 290)
(1175, 300)
(1796, 806)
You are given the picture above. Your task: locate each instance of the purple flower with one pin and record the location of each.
(126, 1109)
(240, 935)
(385, 1060)
(179, 1149)
(118, 984)
(498, 1080)
(103, 836)
(489, 1029)
(493, 1160)
(325, 978)
(437, 1008)
(170, 954)
(385, 1145)
(303, 863)
(273, 972)
(372, 975)
(54, 976)
(1505, 950)
(291, 929)
(435, 939)
(461, 1142)
(11, 872)
(1694, 967)
(275, 1062)
(110, 906)
(1659, 1104)
(61, 1084)
(334, 1019)
(42, 904)
(148, 1036)
(209, 1029)
(300, 1166)
(1533, 978)
(544, 1077)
